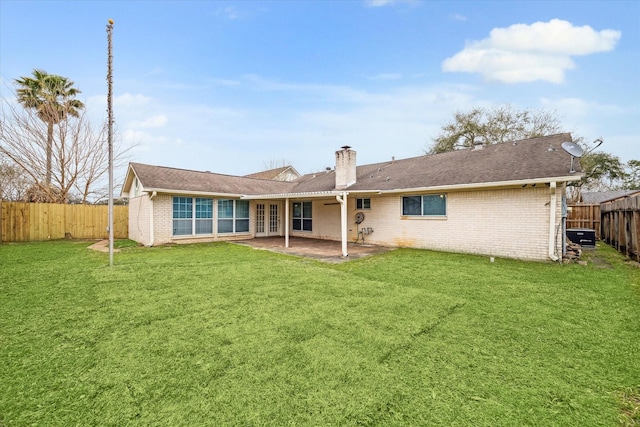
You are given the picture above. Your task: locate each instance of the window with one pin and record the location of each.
(187, 221)
(233, 216)
(427, 205)
(204, 216)
(302, 216)
(363, 203)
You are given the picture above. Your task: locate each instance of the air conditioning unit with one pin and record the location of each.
(585, 237)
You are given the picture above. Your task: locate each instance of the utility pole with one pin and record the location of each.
(110, 133)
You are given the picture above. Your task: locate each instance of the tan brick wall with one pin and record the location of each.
(326, 219)
(511, 223)
(163, 224)
(139, 219)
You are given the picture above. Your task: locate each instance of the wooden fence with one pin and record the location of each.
(24, 222)
(584, 216)
(621, 225)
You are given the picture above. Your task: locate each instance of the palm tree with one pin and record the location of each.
(53, 98)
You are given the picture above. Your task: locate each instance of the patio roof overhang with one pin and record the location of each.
(437, 188)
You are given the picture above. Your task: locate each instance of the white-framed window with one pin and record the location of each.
(233, 216)
(302, 218)
(192, 215)
(363, 203)
(425, 205)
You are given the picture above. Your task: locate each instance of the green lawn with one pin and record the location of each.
(221, 334)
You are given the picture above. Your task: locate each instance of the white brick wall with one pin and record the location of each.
(139, 219)
(163, 224)
(511, 223)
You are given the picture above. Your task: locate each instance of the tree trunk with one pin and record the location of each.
(47, 178)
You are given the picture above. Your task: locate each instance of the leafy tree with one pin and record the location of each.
(632, 181)
(53, 98)
(602, 172)
(486, 127)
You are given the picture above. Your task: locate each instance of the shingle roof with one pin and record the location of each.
(273, 173)
(597, 197)
(165, 178)
(531, 159)
(524, 160)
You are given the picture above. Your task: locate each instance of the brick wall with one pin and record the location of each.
(139, 219)
(511, 223)
(163, 224)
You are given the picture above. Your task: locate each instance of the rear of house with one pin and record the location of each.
(504, 200)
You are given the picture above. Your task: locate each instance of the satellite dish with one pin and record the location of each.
(572, 148)
(359, 217)
(575, 150)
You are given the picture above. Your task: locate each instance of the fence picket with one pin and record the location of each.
(24, 222)
(584, 216)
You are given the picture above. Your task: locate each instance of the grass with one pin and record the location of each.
(220, 334)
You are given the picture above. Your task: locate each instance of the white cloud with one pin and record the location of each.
(131, 100)
(231, 12)
(378, 3)
(152, 122)
(526, 53)
(381, 3)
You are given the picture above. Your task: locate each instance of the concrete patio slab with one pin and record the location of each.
(322, 250)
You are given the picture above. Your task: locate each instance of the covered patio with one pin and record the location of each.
(318, 249)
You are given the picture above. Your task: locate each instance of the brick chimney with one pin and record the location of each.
(345, 168)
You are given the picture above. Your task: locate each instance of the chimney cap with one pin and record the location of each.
(345, 147)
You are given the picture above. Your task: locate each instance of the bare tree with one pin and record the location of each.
(79, 157)
(275, 164)
(14, 183)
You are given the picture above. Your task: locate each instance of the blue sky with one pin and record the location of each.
(236, 87)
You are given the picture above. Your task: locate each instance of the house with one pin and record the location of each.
(597, 197)
(504, 200)
(285, 173)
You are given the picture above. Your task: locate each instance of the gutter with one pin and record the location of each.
(151, 230)
(552, 222)
(481, 185)
(192, 193)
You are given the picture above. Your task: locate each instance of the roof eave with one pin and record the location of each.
(191, 192)
(481, 185)
(128, 180)
(308, 194)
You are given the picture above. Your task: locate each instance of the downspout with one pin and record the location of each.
(286, 223)
(151, 231)
(343, 222)
(552, 222)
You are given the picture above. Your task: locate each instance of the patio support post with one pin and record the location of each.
(552, 222)
(343, 222)
(286, 223)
